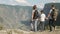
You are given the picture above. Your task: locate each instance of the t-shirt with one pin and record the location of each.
(34, 11)
(43, 16)
(54, 14)
(50, 13)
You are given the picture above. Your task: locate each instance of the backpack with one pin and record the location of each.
(54, 13)
(36, 14)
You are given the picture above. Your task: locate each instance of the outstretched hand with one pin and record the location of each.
(46, 18)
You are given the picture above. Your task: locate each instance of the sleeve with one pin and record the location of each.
(45, 16)
(50, 11)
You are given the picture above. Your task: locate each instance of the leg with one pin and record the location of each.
(32, 25)
(54, 22)
(36, 25)
(43, 25)
(50, 24)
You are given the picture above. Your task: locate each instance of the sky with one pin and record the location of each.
(39, 3)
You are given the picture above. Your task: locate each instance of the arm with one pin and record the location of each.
(32, 15)
(46, 17)
(49, 13)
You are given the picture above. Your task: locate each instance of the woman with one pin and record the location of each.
(34, 18)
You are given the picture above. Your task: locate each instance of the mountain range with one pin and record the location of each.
(15, 17)
(19, 17)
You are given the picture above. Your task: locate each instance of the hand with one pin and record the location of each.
(32, 19)
(36, 19)
(48, 15)
(47, 18)
(55, 19)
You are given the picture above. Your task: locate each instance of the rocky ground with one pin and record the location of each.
(18, 31)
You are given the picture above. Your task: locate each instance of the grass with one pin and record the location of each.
(1, 27)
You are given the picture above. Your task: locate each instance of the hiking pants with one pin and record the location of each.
(51, 24)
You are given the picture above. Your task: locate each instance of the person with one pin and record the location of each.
(52, 17)
(34, 18)
(42, 20)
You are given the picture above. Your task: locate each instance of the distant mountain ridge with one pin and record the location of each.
(13, 16)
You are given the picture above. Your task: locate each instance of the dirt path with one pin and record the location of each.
(16, 31)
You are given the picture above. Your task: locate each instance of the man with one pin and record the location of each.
(52, 17)
(34, 18)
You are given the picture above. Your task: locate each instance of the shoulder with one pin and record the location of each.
(56, 10)
(50, 10)
(44, 15)
(33, 11)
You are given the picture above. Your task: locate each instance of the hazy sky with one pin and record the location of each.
(39, 3)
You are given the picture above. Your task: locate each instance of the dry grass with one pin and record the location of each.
(18, 31)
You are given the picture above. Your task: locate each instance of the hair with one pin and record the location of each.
(52, 5)
(34, 7)
(42, 11)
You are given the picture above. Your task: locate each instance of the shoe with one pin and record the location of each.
(50, 31)
(31, 29)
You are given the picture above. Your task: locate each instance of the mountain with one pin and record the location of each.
(15, 17)
(47, 9)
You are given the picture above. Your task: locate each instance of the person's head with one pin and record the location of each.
(42, 11)
(53, 6)
(34, 7)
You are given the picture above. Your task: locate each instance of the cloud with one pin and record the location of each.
(23, 2)
(41, 5)
(52, 1)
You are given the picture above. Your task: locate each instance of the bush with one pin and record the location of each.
(1, 27)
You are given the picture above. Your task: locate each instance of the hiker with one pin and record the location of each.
(42, 20)
(34, 18)
(52, 17)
